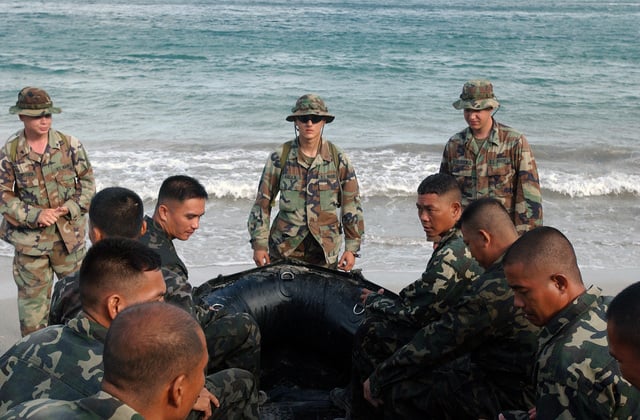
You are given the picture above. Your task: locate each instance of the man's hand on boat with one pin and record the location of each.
(203, 404)
(347, 261)
(261, 257)
(364, 294)
(366, 388)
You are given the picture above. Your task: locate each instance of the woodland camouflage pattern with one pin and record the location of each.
(61, 176)
(496, 338)
(64, 362)
(383, 343)
(309, 203)
(503, 168)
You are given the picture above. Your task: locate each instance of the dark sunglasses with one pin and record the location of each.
(315, 119)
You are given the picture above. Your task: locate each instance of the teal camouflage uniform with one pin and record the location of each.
(233, 339)
(503, 167)
(497, 346)
(29, 182)
(310, 197)
(64, 362)
(101, 405)
(384, 342)
(575, 376)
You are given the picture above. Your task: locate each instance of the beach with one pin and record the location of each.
(610, 281)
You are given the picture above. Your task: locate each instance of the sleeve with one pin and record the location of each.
(528, 198)
(78, 204)
(445, 167)
(352, 216)
(260, 214)
(14, 210)
(457, 332)
(178, 290)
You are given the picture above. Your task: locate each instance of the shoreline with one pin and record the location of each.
(611, 281)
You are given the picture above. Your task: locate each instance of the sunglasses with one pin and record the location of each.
(315, 119)
(37, 117)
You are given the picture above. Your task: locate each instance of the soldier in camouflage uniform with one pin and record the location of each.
(143, 373)
(114, 212)
(316, 182)
(490, 159)
(391, 332)
(46, 184)
(575, 376)
(623, 333)
(65, 362)
(477, 359)
(233, 338)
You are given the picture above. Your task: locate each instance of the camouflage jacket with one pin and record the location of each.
(174, 271)
(449, 272)
(65, 298)
(503, 168)
(485, 325)
(101, 405)
(61, 176)
(310, 198)
(575, 375)
(60, 362)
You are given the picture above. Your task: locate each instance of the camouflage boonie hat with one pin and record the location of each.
(34, 102)
(310, 104)
(478, 95)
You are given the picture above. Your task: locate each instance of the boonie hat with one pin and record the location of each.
(478, 95)
(310, 104)
(34, 102)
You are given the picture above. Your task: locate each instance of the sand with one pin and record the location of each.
(611, 281)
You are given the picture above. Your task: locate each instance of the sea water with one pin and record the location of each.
(197, 87)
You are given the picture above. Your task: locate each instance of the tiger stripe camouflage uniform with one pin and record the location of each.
(575, 376)
(29, 182)
(496, 346)
(310, 197)
(101, 405)
(64, 362)
(384, 339)
(503, 167)
(233, 339)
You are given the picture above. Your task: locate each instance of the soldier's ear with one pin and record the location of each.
(560, 281)
(176, 391)
(143, 228)
(115, 305)
(486, 238)
(163, 212)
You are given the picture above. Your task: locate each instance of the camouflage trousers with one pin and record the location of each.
(33, 275)
(237, 393)
(456, 390)
(233, 341)
(308, 251)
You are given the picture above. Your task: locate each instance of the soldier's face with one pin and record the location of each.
(628, 359)
(36, 126)
(309, 131)
(437, 214)
(536, 291)
(478, 120)
(182, 219)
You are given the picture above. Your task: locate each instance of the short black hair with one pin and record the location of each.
(181, 188)
(440, 184)
(624, 313)
(117, 211)
(489, 214)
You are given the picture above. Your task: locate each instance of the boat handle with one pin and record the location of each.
(287, 275)
(216, 307)
(356, 310)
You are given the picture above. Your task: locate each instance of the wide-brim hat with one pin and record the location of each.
(477, 95)
(34, 102)
(310, 104)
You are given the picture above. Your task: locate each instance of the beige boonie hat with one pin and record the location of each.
(34, 102)
(310, 104)
(477, 95)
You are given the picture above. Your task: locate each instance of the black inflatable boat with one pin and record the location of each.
(307, 316)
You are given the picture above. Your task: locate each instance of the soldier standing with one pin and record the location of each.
(46, 184)
(315, 179)
(490, 159)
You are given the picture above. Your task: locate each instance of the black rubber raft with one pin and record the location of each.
(307, 317)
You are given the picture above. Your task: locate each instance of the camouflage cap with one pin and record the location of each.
(34, 102)
(310, 104)
(477, 94)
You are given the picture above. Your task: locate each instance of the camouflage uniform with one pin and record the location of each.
(101, 405)
(390, 334)
(310, 197)
(502, 167)
(233, 339)
(29, 182)
(64, 362)
(575, 375)
(496, 345)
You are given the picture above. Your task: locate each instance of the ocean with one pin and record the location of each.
(201, 87)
